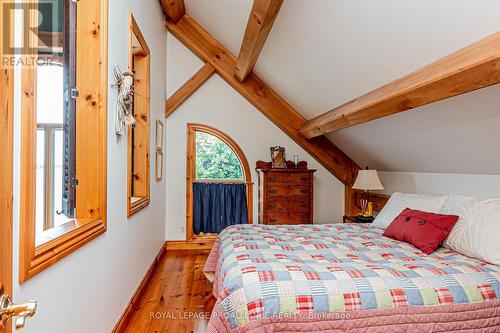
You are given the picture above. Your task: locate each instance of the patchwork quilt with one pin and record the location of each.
(319, 270)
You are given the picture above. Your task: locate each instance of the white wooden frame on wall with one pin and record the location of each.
(159, 135)
(159, 149)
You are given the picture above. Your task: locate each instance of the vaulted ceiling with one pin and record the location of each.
(323, 53)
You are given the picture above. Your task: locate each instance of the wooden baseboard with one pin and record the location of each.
(126, 316)
(195, 244)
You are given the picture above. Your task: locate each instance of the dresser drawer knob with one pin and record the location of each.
(304, 178)
(304, 191)
(304, 205)
(273, 178)
(272, 206)
(272, 220)
(273, 191)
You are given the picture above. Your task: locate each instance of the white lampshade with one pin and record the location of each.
(368, 180)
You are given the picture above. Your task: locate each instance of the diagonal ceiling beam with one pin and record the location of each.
(174, 9)
(259, 25)
(474, 67)
(260, 95)
(188, 88)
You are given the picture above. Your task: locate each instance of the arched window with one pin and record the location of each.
(213, 157)
(215, 160)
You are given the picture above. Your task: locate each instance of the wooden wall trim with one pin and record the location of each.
(260, 95)
(6, 169)
(260, 22)
(134, 303)
(202, 244)
(474, 67)
(188, 88)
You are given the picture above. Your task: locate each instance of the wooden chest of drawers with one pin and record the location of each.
(285, 195)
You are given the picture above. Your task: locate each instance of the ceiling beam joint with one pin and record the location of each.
(188, 88)
(174, 9)
(263, 98)
(259, 25)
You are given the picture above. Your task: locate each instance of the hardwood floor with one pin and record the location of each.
(177, 299)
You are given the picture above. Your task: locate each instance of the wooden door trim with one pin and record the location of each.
(190, 171)
(6, 170)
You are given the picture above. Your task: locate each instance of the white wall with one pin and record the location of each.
(88, 290)
(217, 104)
(438, 183)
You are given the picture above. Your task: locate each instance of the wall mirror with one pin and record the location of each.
(139, 132)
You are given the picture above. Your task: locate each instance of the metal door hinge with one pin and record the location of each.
(74, 93)
(74, 182)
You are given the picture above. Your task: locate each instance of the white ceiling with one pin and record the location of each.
(322, 53)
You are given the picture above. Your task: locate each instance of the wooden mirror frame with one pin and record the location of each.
(141, 155)
(91, 134)
(191, 171)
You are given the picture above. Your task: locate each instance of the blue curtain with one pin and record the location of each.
(218, 205)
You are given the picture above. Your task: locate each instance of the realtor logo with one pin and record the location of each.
(39, 31)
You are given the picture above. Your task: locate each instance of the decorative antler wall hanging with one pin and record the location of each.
(125, 101)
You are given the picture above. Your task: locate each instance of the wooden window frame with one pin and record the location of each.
(191, 173)
(91, 112)
(140, 175)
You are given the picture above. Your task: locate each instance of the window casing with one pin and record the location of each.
(138, 178)
(193, 175)
(81, 153)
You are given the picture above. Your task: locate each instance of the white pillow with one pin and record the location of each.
(400, 201)
(477, 232)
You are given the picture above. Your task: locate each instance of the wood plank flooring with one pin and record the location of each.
(177, 299)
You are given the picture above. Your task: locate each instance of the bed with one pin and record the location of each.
(345, 277)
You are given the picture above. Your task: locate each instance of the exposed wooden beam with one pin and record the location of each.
(266, 100)
(188, 88)
(174, 9)
(474, 67)
(259, 25)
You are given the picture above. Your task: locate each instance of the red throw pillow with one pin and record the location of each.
(423, 230)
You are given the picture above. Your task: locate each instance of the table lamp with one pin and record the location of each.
(367, 181)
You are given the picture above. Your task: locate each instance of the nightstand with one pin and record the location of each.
(354, 219)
